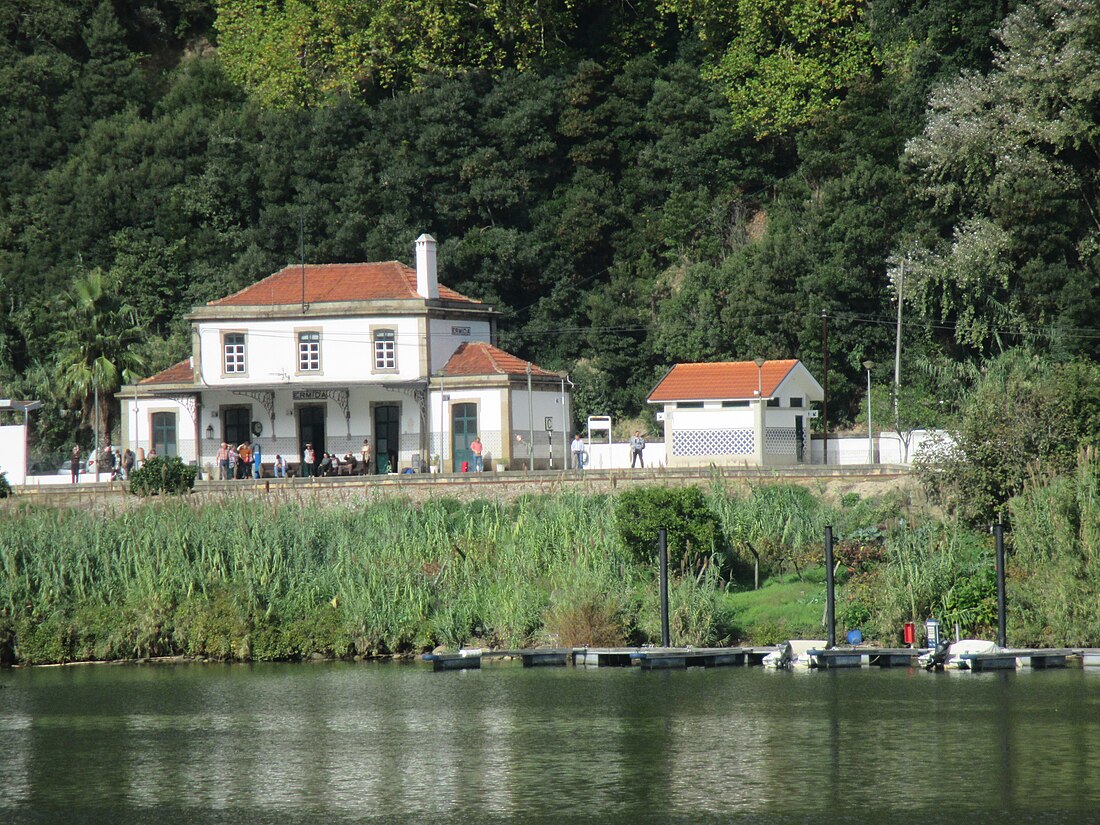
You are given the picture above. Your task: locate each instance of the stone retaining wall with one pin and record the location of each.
(831, 481)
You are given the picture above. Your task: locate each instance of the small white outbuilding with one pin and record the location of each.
(737, 412)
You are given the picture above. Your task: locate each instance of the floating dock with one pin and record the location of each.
(1035, 658)
(868, 656)
(679, 658)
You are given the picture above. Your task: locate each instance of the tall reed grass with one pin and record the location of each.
(246, 580)
(1054, 567)
(255, 581)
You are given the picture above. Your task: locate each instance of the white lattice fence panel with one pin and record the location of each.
(713, 442)
(780, 441)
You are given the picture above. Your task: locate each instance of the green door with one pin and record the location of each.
(387, 437)
(236, 424)
(311, 430)
(463, 429)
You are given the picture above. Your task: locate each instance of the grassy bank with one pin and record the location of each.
(238, 580)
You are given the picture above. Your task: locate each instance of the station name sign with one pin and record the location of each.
(310, 395)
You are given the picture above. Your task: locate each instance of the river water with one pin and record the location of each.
(397, 743)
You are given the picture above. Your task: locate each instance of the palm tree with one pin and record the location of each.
(96, 348)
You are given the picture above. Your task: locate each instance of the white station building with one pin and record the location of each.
(338, 354)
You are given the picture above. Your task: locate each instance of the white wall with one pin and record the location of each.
(489, 422)
(852, 449)
(616, 456)
(545, 404)
(447, 335)
(137, 425)
(13, 452)
(347, 350)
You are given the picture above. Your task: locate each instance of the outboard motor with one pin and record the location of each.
(938, 657)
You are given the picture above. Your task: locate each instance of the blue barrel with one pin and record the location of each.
(855, 637)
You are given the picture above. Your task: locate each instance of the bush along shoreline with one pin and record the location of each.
(253, 582)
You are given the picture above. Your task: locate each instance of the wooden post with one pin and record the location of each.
(830, 602)
(662, 560)
(999, 541)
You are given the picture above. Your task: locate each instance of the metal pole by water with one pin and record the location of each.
(999, 541)
(830, 601)
(662, 561)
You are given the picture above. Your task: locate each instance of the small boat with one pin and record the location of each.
(954, 655)
(795, 653)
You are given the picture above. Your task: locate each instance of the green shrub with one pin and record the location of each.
(162, 475)
(5, 487)
(692, 526)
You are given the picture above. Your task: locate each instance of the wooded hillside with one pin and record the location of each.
(631, 184)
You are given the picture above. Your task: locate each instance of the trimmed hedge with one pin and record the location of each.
(162, 475)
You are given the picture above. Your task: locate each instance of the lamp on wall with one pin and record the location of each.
(209, 432)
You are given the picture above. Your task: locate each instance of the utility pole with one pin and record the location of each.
(825, 403)
(530, 422)
(897, 345)
(95, 401)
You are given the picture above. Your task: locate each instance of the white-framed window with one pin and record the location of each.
(795, 401)
(233, 344)
(385, 349)
(309, 351)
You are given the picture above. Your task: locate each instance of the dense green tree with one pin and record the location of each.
(781, 64)
(1008, 161)
(296, 52)
(1027, 416)
(95, 348)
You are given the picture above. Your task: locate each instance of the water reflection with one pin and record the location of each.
(400, 743)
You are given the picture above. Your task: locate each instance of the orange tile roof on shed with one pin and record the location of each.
(181, 373)
(479, 358)
(327, 283)
(722, 381)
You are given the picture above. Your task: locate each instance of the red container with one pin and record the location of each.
(910, 633)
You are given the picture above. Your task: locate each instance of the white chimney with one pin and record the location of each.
(427, 276)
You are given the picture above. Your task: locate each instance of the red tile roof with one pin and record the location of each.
(325, 283)
(479, 358)
(727, 380)
(181, 373)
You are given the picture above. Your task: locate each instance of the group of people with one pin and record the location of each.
(109, 460)
(331, 464)
(243, 461)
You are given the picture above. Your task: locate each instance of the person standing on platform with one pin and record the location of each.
(74, 464)
(308, 459)
(257, 460)
(223, 462)
(367, 469)
(637, 444)
(244, 460)
(477, 448)
(577, 448)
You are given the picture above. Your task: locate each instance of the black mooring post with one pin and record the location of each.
(830, 600)
(662, 560)
(999, 541)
